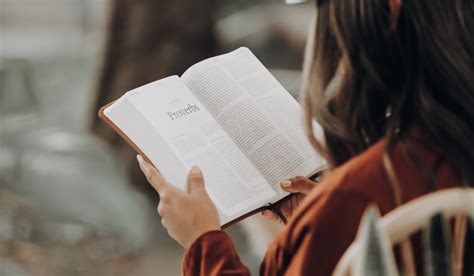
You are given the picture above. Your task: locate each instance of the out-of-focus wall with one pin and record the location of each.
(59, 44)
(66, 206)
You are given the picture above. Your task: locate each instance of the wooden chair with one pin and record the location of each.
(413, 216)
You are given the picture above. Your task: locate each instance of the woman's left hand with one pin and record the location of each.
(186, 215)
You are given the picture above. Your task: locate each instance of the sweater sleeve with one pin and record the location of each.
(213, 253)
(317, 238)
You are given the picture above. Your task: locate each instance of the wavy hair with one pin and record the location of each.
(372, 72)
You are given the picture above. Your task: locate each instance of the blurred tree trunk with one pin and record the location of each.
(148, 40)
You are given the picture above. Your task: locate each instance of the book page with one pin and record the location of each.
(256, 112)
(187, 127)
(271, 96)
(131, 122)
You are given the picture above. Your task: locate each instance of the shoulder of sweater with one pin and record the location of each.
(357, 174)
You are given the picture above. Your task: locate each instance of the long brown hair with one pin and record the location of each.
(415, 69)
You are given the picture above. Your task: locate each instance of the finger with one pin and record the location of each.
(161, 209)
(153, 176)
(195, 181)
(164, 223)
(270, 215)
(297, 184)
(267, 214)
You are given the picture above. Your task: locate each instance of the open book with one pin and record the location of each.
(232, 118)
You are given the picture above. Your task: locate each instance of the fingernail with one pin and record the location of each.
(195, 169)
(143, 165)
(286, 183)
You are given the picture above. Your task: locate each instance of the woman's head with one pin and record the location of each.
(376, 67)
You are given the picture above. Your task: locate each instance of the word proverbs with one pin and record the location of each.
(183, 112)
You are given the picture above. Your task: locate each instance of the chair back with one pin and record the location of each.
(397, 226)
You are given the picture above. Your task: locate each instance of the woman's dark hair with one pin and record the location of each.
(411, 67)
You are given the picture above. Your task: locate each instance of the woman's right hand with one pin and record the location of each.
(300, 186)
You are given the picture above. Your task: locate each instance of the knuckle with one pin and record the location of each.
(198, 184)
(165, 197)
(196, 178)
(299, 178)
(150, 177)
(161, 209)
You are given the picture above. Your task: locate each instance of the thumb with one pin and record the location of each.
(298, 184)
(195, 181)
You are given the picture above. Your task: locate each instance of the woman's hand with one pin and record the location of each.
(186, 215)
(300, 186)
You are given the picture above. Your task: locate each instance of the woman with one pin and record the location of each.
(392, 85)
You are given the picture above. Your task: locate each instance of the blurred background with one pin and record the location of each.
(72, 199)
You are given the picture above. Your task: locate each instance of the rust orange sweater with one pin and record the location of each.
(326, 222)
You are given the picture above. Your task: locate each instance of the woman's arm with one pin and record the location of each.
(317, 235)
(213, 253)
(319, 232)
